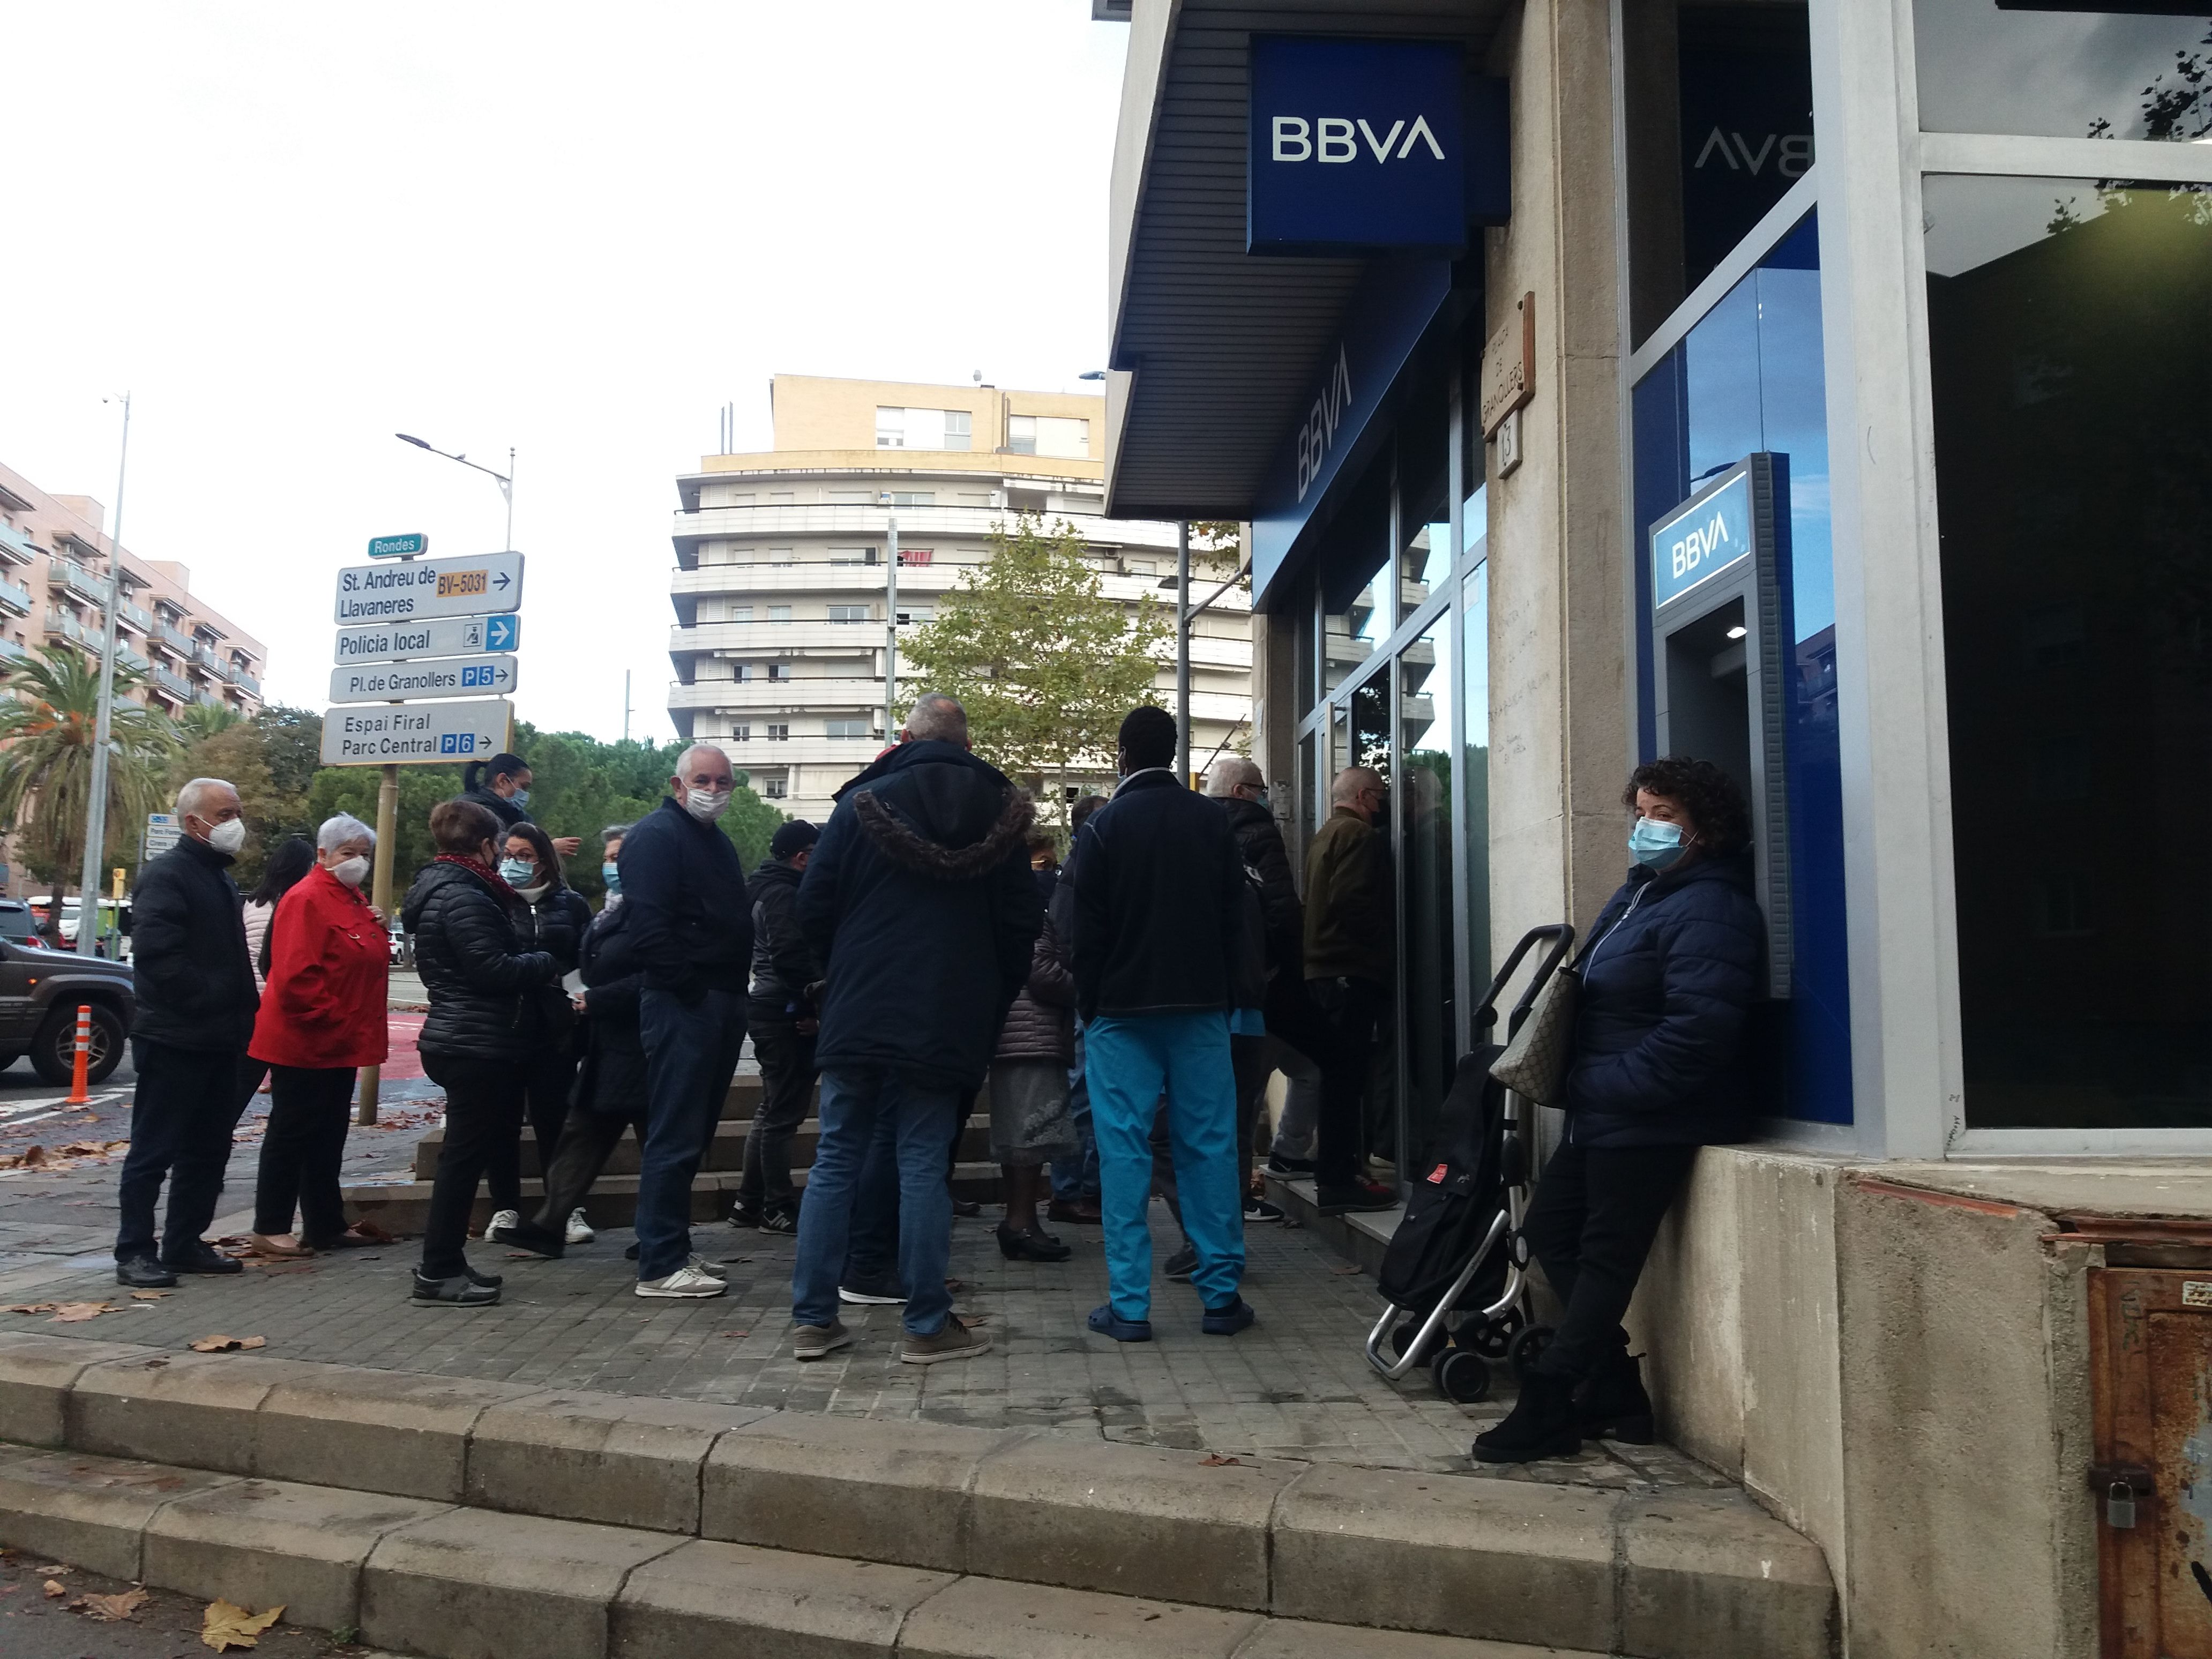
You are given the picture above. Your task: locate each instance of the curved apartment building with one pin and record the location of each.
(782, 584)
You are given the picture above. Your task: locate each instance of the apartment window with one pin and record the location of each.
(913, 498)
(959, 428)
(741, 613)
(923, 429)
(745, 673)
(1139, 567)
(848, 613)
(975, 498)
(917, 556)
(918, 613)
(779, 732)
(851, 497)
(779, 671)
(1048, 434)
(774, 788)
(782, 497)
(777, 613)
(846, 728)
(746, 498)
(741, 732)
(779, 556)
(851, 556)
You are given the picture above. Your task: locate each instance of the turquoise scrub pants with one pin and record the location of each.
(1129, 1061)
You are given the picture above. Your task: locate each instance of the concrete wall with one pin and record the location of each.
(1902, 1375)
(815, 411)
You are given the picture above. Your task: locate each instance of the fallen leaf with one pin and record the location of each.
(1348, 1267)
(32, 1306)
(150, 1296)
(107, 1609)
(226, 1625)
(1216, 1461)
(30, 1158)
(55, 1588)
(52, 1569)
(736, 1333)
(220, 1344)
(76, 1313)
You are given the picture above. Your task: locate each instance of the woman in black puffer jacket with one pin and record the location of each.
(1673, 964)
(1031, 1125)
(477, 1035)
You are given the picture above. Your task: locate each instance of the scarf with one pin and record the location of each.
(482, 872)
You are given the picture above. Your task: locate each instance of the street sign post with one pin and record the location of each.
(433, 677)
(415, 733)
(163, 831)
(447, 636)
(415, 590)
(398, 547)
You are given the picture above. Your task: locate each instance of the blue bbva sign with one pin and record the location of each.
(1355, 144)
(1701, 538)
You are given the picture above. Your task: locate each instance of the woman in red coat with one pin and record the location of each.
(322, 1016)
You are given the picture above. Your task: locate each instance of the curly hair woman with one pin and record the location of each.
(1672, 965)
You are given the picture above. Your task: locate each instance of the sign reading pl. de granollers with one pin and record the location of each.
(1355, 144)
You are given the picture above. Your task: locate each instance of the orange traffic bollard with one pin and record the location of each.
(79, 1094)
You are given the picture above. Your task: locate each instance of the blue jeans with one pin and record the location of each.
(1130, 1061)
(691, 1055)
(856, 1105)
(1076, 1178)
(872, 1247)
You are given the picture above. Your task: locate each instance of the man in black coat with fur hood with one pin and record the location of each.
(920, 904)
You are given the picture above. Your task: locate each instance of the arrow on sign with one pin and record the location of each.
(502, 581)
(503, 633)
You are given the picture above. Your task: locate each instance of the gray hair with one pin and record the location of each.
(936, 715)
(337, 831)
(700, 749)
(191, 797)
(615, 832)
(1350, 780)
(1230, 774)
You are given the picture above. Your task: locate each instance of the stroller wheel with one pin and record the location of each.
(1401, 1341)
(1493, 1338)
(1527, 1348)
(1461, 1376)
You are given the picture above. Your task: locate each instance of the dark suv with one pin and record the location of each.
(40, 992)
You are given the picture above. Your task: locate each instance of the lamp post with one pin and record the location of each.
(506, 480)
(891, 624)
(103, 729)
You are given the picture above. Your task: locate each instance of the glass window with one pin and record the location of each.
(1424, 555)
(890, 428)
(846, 728)
(1424, 799)
(848, 613)
(1021, 435)
(779, 613)
(1474, 768)
(2070, 346)
(2088, 72)
(959, 430)
(1358, 616)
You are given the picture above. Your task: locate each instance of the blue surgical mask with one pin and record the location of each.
(610, 874)
(1655, 844)
(516, 873)
(519, 799)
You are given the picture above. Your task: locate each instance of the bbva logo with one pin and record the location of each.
(1318, 431)
(1700, 544)
(1329, 139)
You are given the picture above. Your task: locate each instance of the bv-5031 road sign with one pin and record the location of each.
(389, 734)
(432, 677)
(417, 589)
(448, 636)
(398, 547)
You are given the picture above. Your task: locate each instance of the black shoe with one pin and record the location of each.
(967, 1208)
(460, 1291)
(1278, 1165)
(1613, 1405)
(778, 1221)
(539, 1241)
(143, 1273)
(487, 1281)
(1182, 1265)
(1261, 1212)
(1229, 1319)
(1361, 1196)
(201, 1257)
(1031, 1246)
(1540, 1425)
(744, 1215)
(630, 1255)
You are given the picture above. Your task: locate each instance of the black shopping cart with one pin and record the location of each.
(1454, 1276)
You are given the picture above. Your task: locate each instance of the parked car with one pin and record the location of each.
(40, 992)
(18, 925)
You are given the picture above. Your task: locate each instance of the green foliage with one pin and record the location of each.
(204, 720)
(1046, 663)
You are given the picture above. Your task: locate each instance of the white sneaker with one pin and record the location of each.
(712, 1270)
(496, 1229)
(580, 1231)
(686, 1283)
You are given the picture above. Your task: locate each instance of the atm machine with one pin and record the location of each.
(1724, 653)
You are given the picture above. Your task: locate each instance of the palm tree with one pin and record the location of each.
(46, 733)
(204, 720)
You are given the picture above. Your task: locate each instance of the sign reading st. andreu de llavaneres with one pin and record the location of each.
(1358, 145)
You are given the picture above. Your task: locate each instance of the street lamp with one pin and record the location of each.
(506, 480)
(103, 729)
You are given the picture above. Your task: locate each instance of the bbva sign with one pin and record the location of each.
(1356, 145)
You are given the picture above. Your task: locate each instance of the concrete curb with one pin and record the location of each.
(462, 1583)
(1688, 1576)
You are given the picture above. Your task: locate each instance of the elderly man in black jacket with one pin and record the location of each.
(782, 1021)
(1160, 908)
(919, 903)
(691, 920)
(196, 1002)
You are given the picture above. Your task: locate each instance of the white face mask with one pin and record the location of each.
(352, 871)
(705, 805)
(228, 837)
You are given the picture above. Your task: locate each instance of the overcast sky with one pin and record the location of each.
(292, 230)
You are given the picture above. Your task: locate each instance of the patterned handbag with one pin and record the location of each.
(1534, 1062)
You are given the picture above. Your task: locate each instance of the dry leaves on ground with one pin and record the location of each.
(150, 1296)
(76, 1313)
(1216, 1461)
(32, 1306)
(226, 1625)
(56, 1589)
(31, 1157)
(220, 1344)
(62, 1157)
(107, 1609)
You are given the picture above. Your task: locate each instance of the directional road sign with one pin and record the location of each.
(163, 831)
(418, 589)
(389, 734)
(448, 636)
(398, 547)
(432, 677)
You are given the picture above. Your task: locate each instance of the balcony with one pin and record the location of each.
(212, 699)
(69, 574)
(11, 652)
(175, 639)
(13, 598)
(17, 544)
(245, 680)
(130, 659)
(136, 616)
(173, 683)
(61, 624)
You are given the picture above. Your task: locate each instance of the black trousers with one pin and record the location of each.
(183, 1113)
(586, 1142)
(309, 1109)
(547, 1081)
(788, 1078)
(483, 1111)
(1350, 1011)
(1595, 1213)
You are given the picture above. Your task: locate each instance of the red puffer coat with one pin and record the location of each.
(324, 1004)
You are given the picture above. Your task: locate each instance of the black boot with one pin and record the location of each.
(1540, 1425)
(1613, 1405)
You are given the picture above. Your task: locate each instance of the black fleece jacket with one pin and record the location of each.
(684, 886)
(195, 980)
(1160, 903)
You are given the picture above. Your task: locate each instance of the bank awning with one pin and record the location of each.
(1217, 354)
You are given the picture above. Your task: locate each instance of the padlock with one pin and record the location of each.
(2120, 1506)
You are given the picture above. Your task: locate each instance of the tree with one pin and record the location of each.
(204, 720)
(1045, 664)
(240, 753)
(46, 733)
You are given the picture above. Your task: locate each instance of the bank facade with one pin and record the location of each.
(1826, 390)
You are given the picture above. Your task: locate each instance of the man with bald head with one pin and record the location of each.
(1349, 966)
(683, 886)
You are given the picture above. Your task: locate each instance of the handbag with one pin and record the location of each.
(1534, 1063)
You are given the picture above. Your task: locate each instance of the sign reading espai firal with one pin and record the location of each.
(414, 589)
(388, 734)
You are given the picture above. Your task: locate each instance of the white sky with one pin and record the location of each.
(292, 230)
